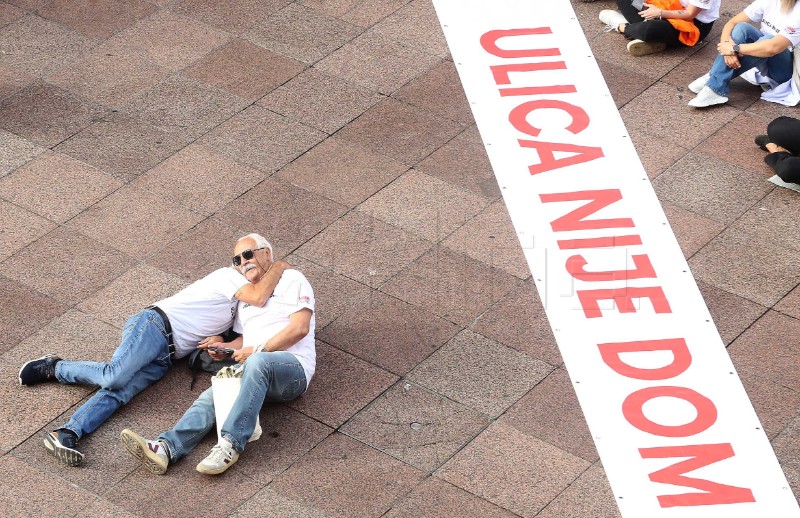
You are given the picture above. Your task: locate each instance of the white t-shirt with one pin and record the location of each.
(259, 324)
(204, 308)
(774, 21)
(709, 9)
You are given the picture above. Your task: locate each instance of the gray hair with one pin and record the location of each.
(261, 242)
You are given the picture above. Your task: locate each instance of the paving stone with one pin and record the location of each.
(435, 498)
(453, 286)
(320, 100)
(588, 495)
(623, 83)
(378, 330)
(739, 134)
(342, 385)
(302, 33)
(416, 25)
(787, 449)
(612, 48)
(13, 79)
(234, 16)
(27, 4)
(269, 503)
(655, 154)
(359, 12)
(512, 470)
(692, 231)
(102, 508)
(244, 69)
(381, 479)
(37, 46)
(771, 218)
(18, 228)
(9, 13)
(790, 304)
(364, 248)
(17, 497)
(96, 19)
(439, 90)
(731, 314)
(23, 312)
(458, 371)
(416, 426)
(775, 405)
(78, 186)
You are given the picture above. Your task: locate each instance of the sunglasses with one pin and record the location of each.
(246, 254)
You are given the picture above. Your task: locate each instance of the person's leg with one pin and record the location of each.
(196, 422)
(721, 74)
(705, 29)
(786, 166)
(785, 132)
(629, 11)
(655, 30)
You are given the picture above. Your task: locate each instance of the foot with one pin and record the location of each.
(63, 445)
(37, 371)
(643, 48)
(222, 457)
(698, 84)
(152, 454)
(613, 19)
(762, 141)
(707, 97)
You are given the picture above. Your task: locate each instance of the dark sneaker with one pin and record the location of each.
(37, 371)
(153, 454)
(63, 445)
(762, 141)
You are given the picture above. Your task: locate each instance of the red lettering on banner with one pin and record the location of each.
(518, 117)
(644, 270)
(548, 161)
(599, 242)
(537, 90)
(623, 297)
(576, 219)
(701, 455)
(489, 43)
(706, 411)
(500, 72)
(681, 358)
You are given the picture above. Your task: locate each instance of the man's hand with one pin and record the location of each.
(213, 341)
(242, 354)
(732, 61)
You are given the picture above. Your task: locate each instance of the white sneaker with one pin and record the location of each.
(698, 84)
(643, 48)
(707, 97)
(152, 454)
(613, 19)
(222, 457)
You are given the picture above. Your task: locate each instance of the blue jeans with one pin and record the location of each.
(778, 67)
(141, 359)
(275, 377)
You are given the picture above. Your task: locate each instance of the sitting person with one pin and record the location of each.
(679, 23)
(782, 141)
(743, 47)
(279, 358)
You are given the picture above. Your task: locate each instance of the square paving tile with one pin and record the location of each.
(13, 79)
(435, 498)
(349, 478)
(732, 314)
(302, 33)
(18, 228)
(342, 172)
(320, 100)
(490, 237)
(342, 385)
(286, 215)
(199, 179)
(787, 449)
(416, 426)
(359, 12)
(103, 508)
(775, 405)
(170, 40)
(46, 114)
(771, 218)
(551, 412)
(739, 134)
(364, 248)
(463, 162)
(589, 495)
(415, 24)
(623, 83)
(269, 503)
(378, 62)
(424, 205)
(9, 13)
(692, 231)
(439, 90)
(151, 222)
(76, 266)
(458, 371)
(234, 16)
(23, 312)
(78, 186)
(96, 19)
(37, 46)
(735, 262)
(388, 332)
(18, 499)
(244, 69)
(262, 139)
(790, 304)
(710, 187)
(655, 154)
(399, 131)
(513, 470)
(453, 286)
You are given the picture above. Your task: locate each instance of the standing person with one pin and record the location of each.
(151, 339)
(279, 357)
(662, 23)
(743, 47)
(782, 141)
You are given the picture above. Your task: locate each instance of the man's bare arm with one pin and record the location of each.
(259, 293)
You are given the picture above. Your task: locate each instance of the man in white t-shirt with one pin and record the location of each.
(170, 329)
(279, 358)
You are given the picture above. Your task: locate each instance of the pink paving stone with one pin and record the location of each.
(768, 349)
(774, 404)
(655, 154)
(611, 47)
(27, 4)
(234, 16)
(787, 449)
(269, 503)
(359, 12)
(9, 13)
(18, 228)
(13, 79)
(436, 498)
(349, 477)
(104, 508)
(772, 218)
(415, 24)
(692, 231)
(23, 312)
(624, 84)
(512, 470)
(589, 495)
(790, 304)
(199, 179)
(96, 19)
(36, 45)
(78, 186)
(16, 151)
(732, 314)
(151, 222)
(439, 90)
(18, 499)
(739, 134)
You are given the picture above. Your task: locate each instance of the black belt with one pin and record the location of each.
(167, 329)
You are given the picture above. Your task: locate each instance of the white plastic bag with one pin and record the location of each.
(225, 390)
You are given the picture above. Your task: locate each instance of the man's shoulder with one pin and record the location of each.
(294, 275)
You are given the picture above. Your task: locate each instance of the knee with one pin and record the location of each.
(739, 32)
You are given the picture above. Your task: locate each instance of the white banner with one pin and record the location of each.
(675, 430)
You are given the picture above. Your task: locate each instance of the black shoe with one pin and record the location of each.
(63, 445)
(762, 141)
(37, 371)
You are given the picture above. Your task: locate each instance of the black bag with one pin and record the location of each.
(200, 360)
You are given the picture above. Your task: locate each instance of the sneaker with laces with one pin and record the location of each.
(39, 370)
(222, 457)
(613, 19)
(152, 454)
(707, 97)
(642, 48)
(63, 445)
(698, 84)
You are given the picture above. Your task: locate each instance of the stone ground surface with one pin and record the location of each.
(139, 139)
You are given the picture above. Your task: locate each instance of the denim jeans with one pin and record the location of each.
(141, 359)
(778, 67)
(275, 377)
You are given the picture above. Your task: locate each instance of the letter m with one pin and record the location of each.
(699, 456)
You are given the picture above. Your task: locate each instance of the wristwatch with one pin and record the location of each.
(736, 48)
